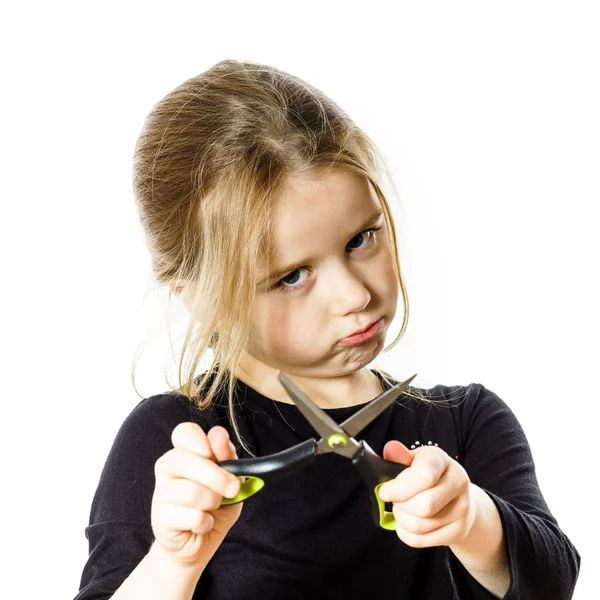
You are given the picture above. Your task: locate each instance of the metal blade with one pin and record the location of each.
(323, 424)
(371, 411)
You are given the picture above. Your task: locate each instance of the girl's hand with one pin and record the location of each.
(433, 500)
(188, 520)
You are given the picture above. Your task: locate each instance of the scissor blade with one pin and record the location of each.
(371, 411)
(320, 420)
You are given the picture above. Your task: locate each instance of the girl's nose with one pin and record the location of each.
(350, 294)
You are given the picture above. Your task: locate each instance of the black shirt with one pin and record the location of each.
(310, 535)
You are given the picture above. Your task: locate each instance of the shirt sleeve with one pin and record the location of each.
(544, 564)
(119, 531)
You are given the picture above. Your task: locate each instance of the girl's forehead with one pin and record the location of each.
(316, 217)
(330, 201)
(314, 187)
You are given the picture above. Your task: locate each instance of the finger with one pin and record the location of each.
(221, 444)
(182, 518)
(428, 466)
(178, 463)
(440, 536)
(190, 436)
(453, 511)
(184, 492)
(396, 451)
(420, 525)
(434, 501)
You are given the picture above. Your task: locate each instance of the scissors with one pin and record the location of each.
(373, 469)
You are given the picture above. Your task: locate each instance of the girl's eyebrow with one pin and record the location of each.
(372, 220)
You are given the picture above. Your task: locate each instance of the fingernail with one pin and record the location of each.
(383, 494)
(231, 491)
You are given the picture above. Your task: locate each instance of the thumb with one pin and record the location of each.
(221, 444)
(396, 451)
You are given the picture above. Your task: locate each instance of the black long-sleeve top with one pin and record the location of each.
(310, 536)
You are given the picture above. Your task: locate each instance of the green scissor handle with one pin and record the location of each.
(267, 469)
(375, 471)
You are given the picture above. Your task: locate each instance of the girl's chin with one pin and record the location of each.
(339, 361)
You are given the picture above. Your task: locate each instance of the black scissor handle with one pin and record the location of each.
(267, 469)
(375, 471)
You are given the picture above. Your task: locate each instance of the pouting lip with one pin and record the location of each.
(361, 330)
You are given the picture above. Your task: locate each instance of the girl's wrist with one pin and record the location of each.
(163, 559)
(483, 548)
(160, 575)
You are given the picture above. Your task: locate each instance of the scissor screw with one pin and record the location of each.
(337, 440)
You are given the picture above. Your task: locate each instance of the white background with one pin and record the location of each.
(487, 113)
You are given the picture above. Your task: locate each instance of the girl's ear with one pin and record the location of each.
(179, 288)
(176, 287)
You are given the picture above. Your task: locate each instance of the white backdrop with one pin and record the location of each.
(488, 116)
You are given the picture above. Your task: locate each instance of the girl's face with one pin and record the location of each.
(334, 275)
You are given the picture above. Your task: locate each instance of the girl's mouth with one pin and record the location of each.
(358, 338)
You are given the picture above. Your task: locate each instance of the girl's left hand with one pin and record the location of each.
(433, 500)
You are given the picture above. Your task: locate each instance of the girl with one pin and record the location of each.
(263, 210)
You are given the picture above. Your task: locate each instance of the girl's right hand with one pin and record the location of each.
(188, 520)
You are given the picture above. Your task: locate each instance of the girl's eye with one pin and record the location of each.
(290, 282)
(292, 279)
(357, 237)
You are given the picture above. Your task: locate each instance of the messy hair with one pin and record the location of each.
(209, 164)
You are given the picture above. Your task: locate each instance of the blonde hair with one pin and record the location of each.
(209, 164)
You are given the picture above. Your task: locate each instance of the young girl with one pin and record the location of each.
(263, 210)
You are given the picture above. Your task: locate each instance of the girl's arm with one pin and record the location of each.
(159, 577)
(483, 552)
(150, 532)
(489, 511)
(542, 561)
